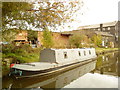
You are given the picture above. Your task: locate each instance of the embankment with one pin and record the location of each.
(100, 51)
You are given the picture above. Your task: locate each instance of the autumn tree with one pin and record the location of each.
(24, 15)
(77, 40)
(32, 35)
(97, 40)
(13, 17)
(52, 14)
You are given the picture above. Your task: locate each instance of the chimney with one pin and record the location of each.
(101, 27)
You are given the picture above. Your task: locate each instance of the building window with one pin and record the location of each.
(89, 52)
(108, 28)
(103, 29)
(65, 54)
(98, 29)
(79, 53)
(85, 53)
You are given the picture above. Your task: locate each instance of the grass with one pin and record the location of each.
(99, 50)
(23, 58)
(23, 53)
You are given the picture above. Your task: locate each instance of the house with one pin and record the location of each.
(106, 37)
(110, 30)
(60, 40)
(21, 37)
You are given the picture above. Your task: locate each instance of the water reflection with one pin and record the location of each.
(107, 64)
(95, 80)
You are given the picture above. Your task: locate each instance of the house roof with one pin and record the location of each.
(85, 32)
(98, 25)
(66, 33)
(104, 33)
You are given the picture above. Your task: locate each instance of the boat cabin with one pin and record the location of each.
(66, 55)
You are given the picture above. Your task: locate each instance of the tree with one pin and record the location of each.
(97, 40)
(9, 35)
(12, 13)
(49, 14)
(32, 35)
(52, 14)
(77, 40)
(47, 39)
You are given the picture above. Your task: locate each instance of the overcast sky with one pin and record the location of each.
(95, 12)
(100, 11)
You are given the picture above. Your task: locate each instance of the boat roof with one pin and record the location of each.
(36, 66)
(69, 49)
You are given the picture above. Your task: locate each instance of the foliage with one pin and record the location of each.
(77, 40)
(23, 53)
(13, 16)
(32, 35)
(47, 39)
(99, 50)
(14, 11)
(9, 35)
(97, 40)
(5, 70)
(48, 14)
(52, 14)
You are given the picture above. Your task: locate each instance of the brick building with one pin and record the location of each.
(59, 40)
(110, 30)
(22, 35)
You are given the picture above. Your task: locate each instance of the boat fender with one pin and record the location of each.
(11, 65)
(20, 73)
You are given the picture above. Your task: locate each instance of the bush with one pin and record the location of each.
(76, 40)
(97, 40)
(7, 48)
(23, 53)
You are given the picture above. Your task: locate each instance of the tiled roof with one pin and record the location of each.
(103, 33)
(98, 25)
(67, 33)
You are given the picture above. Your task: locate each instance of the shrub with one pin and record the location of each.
(97, 40)
(21, 53)
(76, 40)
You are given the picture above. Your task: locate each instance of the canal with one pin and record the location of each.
(102, 73)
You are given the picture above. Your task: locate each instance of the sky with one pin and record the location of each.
(100, 11)
(96, 12)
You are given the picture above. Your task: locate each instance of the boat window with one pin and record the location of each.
(89, 52)
(65, 54)
(85, 53)
(79, 53)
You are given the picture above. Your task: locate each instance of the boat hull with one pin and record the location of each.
(18, 73)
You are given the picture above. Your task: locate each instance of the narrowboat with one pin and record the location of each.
(54, 60)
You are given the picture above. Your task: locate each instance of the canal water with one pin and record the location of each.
(102, 73)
